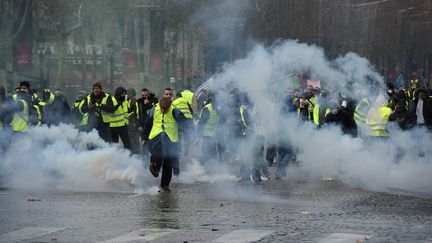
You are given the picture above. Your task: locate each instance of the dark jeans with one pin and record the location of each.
(121, 132)
(166, 165)
(134, 137)
(104, 132)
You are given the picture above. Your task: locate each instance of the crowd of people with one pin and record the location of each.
(228, 128)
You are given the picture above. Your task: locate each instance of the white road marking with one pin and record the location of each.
(243, 235)
(145, 234)
(344, 238)
(29, 233)
(137, 195)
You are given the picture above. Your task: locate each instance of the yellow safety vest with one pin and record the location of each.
(242, 110)
(39, 114)
(78, 105)
(188, 96)
(377, 121)
(211, 124)
(361, 111)
(181, 104)
(126, 107)
(118, 117)
(164, 123)
(50, 100)
(20, 119)
(316, 114)
(106, 117)
(316, 111)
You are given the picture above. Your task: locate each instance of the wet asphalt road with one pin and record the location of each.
(274, 211)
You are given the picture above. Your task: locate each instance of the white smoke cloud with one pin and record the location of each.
(58, 157)
(402, 162)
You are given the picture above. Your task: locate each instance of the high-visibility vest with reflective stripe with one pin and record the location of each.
(242, 110)
(126, 107)
(361, 112)
(50, 100)
(316, 116)
(105, 115)
(118, 117)
(181, 104)
(20, 119)
(377, 120)
(39, 114)
(211, 124)
(78, 105)
(164, 123)
(188, 96)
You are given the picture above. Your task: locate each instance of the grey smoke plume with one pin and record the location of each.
(58, 158)
(401, 162)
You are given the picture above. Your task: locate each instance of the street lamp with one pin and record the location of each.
(41, 53)
(110, 48)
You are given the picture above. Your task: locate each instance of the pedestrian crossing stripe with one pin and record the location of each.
(145, 234)
(29, 233)
(243, 235)
(344, 238)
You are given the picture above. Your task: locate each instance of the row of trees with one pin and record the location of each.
(394, 34)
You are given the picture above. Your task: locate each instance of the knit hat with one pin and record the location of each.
(25, 83)
(99, 85)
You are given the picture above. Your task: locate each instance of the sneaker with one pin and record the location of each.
(153, 170)
(164, 189)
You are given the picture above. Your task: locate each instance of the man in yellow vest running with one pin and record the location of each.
(161, 132)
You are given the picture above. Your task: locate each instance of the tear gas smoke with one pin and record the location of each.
(58, 157)
(402, 161)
